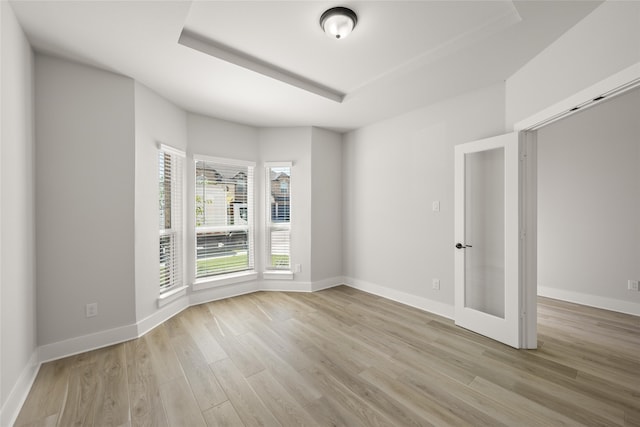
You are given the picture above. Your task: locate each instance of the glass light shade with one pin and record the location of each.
(338, 22)
(338, 26)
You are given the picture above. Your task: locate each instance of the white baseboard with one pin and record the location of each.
(18, 395)
(222, 292)
(621, 306)
(331, 282)
(284, 286)
(161, 315)
(294, 286)
(71, 346)
(435, 307)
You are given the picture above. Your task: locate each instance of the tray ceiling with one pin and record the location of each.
(402, 55)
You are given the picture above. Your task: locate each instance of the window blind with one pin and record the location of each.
(278, 215)
(170, 192)
(224, 216)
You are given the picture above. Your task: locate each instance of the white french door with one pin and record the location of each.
(489, 231)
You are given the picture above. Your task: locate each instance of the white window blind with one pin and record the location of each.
(278, 215)
(170, 186)
(224, 216)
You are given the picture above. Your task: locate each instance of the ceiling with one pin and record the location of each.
(401, 55)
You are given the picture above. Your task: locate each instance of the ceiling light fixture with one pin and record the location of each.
(338, 22)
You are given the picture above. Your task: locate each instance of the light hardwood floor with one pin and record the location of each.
(341, 357)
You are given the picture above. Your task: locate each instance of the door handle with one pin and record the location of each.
(461, 246)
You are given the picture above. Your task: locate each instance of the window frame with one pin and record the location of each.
(225, 278)
(176, 277)
(271, 271)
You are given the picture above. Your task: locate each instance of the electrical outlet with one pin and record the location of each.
(92, 309)
(632, 285)
(435, 284)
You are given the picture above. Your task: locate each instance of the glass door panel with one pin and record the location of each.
(484, 231)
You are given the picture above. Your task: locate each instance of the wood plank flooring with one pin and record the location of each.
(341, 357)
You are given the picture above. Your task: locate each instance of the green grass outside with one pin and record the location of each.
(223, 264)
(235, 263)
(165, 278)
(280, 260)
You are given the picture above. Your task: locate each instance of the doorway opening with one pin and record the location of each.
(588, 197)
(588, 191)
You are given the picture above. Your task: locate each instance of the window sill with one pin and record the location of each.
(171, 295)
(277, 275)
(224, 280)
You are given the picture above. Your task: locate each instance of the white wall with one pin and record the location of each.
(393, 243)
(220, 138)
(605, 42)
(17, 218)
(85, 151)
(589, 205)
(326, 206)
(157, 121)
(291, 144)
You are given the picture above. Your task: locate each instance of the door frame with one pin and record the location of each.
(616, 84)
(528, 250)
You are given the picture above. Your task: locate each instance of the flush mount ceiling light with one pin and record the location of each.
(338, 22)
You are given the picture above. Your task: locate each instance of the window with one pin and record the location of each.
(224, 216)
(170, 170)
(278, 229)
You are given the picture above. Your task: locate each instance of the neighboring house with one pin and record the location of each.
(280, 196)
(211, 198)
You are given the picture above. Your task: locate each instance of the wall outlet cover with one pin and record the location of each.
(92, 309)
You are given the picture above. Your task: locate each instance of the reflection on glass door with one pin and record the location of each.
(484, 235)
